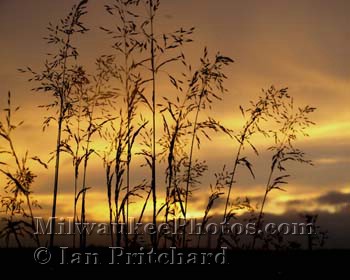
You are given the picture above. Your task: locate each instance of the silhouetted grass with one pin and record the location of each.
(58, 78)
(291, 125)
(18, 202)
(86, 108)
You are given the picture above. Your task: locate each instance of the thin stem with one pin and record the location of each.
(16, 237)
(142, 212)
(55, 190)
(236, 162)
(232, 179)
(280, 147)
(83, 233)
(262, 208)
(109, 194)
(194, 132)
(153, 70)
(59, 133)
(129, 108)
(76, 171)
(86, 159)
(171, 163)
(32, 219)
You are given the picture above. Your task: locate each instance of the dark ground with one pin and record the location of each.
(272, 264)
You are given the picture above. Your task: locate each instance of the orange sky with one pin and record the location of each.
(304, 45)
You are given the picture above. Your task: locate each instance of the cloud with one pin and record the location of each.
(294, 203)
(334, 197)
(331, 202)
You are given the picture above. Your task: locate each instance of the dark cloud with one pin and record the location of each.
(334, 198)
(294, 203)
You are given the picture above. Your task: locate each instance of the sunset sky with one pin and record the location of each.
(302, 45)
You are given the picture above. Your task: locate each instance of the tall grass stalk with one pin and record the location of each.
(292, 125)
(98, 97)
(128, 46)
(75, 153)
(57, 78)
(212, 79)
(264, 109)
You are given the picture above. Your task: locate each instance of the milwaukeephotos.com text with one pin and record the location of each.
(65, 226)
